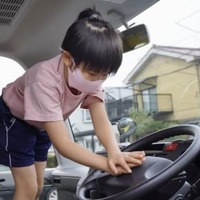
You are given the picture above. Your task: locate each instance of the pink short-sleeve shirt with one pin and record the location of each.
(41, 94)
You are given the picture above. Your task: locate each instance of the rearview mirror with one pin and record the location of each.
(135, 37)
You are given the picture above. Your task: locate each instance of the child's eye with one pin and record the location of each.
(105, 75)
(102, 76)
(93, 73)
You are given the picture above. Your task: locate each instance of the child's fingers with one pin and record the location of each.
(134, 158)
(122, 164)
(135, 155)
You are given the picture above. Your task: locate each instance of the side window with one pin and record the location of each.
(82, 128)
(10, 70)
(118, 102)
(52, 160)
(86, 116)
(4, 168)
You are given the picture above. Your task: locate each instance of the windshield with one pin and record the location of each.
(157, 85)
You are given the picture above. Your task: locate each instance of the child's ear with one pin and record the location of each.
(67, 58)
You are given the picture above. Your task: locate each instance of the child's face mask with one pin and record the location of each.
(77, 81)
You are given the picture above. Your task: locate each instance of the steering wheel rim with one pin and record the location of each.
(163, 176)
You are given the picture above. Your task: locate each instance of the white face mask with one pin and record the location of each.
(77, 81)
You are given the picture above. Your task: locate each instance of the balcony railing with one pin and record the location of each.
(117, 109)
(154, 103)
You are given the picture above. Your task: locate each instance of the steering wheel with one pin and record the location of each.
(152, 174)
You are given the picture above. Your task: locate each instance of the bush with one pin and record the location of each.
(146, 124)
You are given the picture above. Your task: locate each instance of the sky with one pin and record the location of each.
(169, 22)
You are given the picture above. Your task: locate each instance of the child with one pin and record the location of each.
(34, 107)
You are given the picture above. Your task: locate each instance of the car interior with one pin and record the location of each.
(32, 31)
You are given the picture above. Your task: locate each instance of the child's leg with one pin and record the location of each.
(26, 186)
(40, 169)
(24, 149)
(17, 143)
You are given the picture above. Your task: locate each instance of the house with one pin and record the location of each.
(166, 83)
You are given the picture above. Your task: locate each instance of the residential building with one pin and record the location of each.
(166, 83)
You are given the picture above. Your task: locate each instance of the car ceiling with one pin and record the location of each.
(32, 30)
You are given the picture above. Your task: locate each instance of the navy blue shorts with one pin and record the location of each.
(20, 143)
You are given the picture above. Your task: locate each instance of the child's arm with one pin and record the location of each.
(117, 161)
(58, 135)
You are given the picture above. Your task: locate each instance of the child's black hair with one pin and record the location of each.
(94, 42)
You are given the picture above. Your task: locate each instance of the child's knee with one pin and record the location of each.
(28, 192)
(32, 189)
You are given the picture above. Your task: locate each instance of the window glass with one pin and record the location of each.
(86, 116)
(52, 160)
(83, 131)
(4, 168)
(118, 102)
(149, 100)
(11, 71)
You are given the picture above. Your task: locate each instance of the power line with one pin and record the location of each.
(185, 18)
(175, 71)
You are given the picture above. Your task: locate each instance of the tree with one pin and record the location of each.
(146, 124)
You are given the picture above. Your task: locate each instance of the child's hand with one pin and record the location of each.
(122, 162)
